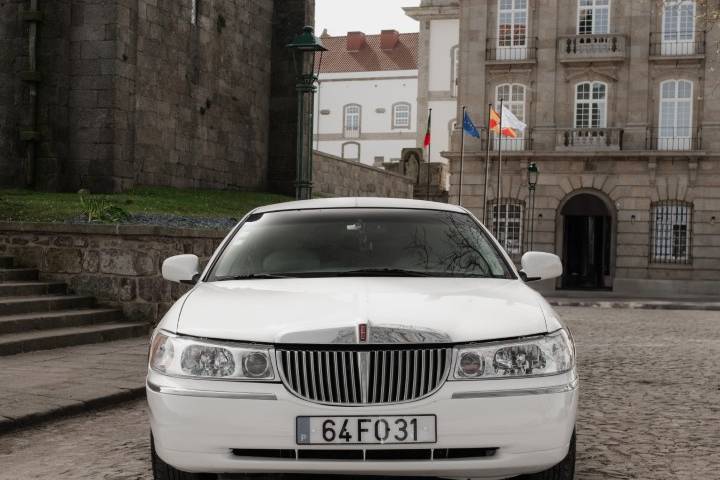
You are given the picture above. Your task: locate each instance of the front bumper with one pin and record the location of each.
(197, 424)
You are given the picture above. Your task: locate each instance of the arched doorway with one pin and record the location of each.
(587, 233)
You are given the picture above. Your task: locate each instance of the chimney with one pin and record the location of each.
(389, 39)
(355, 41)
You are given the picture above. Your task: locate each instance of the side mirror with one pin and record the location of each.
(182, 269)
(540, 266)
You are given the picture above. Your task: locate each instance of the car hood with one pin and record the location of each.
(331, 310)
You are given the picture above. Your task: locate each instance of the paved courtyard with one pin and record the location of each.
(650, 405)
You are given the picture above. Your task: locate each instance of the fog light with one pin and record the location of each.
(471, 365)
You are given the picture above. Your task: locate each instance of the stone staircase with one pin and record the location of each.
(37, 315)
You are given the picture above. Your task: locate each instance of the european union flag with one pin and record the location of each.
(469, 127)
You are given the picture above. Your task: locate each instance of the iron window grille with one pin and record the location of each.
(671, 232)
(401, 115)
(352, 114)
(507, 224)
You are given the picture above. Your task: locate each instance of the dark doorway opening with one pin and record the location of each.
(587, 234)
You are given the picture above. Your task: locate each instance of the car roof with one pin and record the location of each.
(359, 202)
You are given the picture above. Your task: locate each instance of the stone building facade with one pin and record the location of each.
(622, 102)
(146, 92)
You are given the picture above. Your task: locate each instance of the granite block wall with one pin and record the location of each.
(337, 177)
(151, 92)
(119, 265)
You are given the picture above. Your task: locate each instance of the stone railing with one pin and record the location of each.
(117, 264)
(337, 177)
(578, 48)
(590, 139)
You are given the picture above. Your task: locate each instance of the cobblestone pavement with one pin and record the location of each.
(649, 410)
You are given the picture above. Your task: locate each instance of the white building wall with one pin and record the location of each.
(441, 95)
(376, 93)
(444, 35)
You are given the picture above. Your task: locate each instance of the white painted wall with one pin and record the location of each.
(444, 35)
(372, 91)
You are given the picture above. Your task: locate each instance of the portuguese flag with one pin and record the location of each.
(426, 143)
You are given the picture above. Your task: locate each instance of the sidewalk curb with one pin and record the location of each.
(635, 305)
(8, 425)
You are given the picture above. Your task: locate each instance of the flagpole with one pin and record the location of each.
(487, 166)
(427, 194)
(462, 155)
(499, 178)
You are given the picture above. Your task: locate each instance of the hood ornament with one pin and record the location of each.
(363, 333)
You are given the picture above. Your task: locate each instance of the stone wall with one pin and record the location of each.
(138, 92)
(119, 265)
(337, 177)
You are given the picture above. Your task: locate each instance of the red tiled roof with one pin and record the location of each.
(370, 58)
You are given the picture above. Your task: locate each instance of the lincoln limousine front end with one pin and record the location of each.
(362, 337)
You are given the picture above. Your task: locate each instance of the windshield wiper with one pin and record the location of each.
(383, 272)
(254, 276)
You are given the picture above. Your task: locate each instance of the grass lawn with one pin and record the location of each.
(31, 206)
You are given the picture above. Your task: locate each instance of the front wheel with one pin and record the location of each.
(564, 470)
(163, 471)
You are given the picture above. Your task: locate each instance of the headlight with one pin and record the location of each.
(548, 355)
(192, 357)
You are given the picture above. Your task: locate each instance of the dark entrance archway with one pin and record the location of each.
(587, 243)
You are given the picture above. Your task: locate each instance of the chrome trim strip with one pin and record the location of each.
(569, 387)
(189, 392)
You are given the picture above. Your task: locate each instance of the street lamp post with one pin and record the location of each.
(533, 174)
(307, 52)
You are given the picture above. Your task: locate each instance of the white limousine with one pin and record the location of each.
(362, 336)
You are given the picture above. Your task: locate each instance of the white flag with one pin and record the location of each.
(509, 120)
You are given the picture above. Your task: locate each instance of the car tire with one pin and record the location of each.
(564, 470)
(163, 471)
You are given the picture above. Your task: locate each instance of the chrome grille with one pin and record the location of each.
(364, 377)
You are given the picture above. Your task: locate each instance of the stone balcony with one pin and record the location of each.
(590, 139)
(592, 48)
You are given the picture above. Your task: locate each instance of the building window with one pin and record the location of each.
(512, 29)
(507, 221)
(671, 231)
(512, 96)
(351, 151)
(678, 35)
(593, 17)
(591, 105)
(401, 115)
(351, 128)
(676, 111)
(455, 72)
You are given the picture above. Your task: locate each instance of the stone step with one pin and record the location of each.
(43, 303)
(12, 344)
(20, 289)
(61, 319)
(14, 274)
(6, 262)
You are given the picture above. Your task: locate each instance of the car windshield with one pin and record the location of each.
(359, 242)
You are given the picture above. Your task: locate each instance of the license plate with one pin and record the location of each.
(365, 430)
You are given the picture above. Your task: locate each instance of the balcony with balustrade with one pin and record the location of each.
(589, 139)
(592, 48)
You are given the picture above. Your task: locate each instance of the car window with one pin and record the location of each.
(334, 242)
